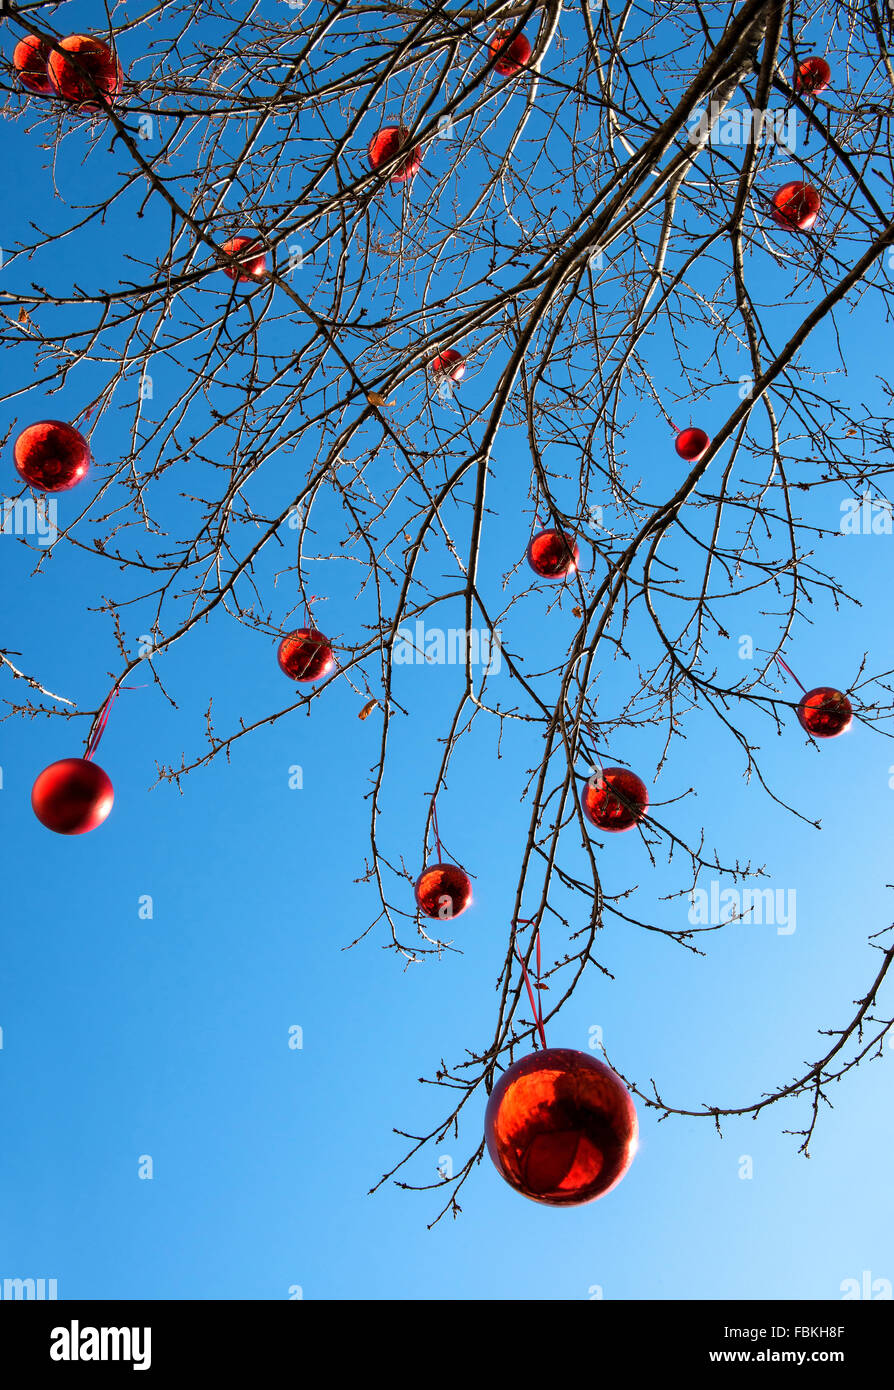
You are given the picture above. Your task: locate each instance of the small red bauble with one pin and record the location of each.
(306, 655)
(825, 712)
(52, 456)
(87, 73)
(449, 365)
(615, 799)
(561, 1127)
(30, 62)
(814, 75)
(251, 255)
(72, 796)
(691, 444)
(386, 144)
(443, 891)
(553, 554)
(795, 206)
(514, 53)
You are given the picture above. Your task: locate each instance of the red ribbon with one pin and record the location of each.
(537, 1007)
(791, 673)
(100, 726)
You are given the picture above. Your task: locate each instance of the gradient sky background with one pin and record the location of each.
(124, 1037)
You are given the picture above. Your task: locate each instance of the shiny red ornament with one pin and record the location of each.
(386, 144)
(691, 444)
(825, 712)
(252, 258)
(72, 796)
(87, 73)
(52, 456)
(561, 1127)
(449, 365)
(795, 206)
(615, 799)
(30, 62)
(553, 554)
(814, 76)
(443, 891)
(514, 53)
(306, 655)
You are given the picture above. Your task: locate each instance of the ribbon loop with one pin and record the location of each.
(785, 667)
(536, 1006)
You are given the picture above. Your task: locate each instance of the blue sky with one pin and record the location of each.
(125, 1037)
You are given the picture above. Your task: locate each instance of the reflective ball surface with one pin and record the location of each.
(51, 456)
(72, 796)
(691, 444)
(251, 255)
(825, 712)
(561, 1127)
(615, 799)
(514, 52)
(795, 206)
(306, 655)
(86, 74)
(443, 891)
(553, 554)
(29, 59)
(386, 144)
(450, 364)
(814, 76)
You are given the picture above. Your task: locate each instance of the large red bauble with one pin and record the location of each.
(386, 144)
(814, 75)
(306, 655)
(252, 258)
(795, 206)
(52, 456)
(30, 62)
(449, 364)
(72, 796)
(443, 891)
(94, 81)
(514, 53)
(553, 554)
(561, 1127)
(691, 444)
(615, 799)
(825, 712)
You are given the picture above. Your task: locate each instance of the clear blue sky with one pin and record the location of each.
(169, 1037)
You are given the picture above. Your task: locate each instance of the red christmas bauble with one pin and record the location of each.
(449, 363)
(825, 712)
(553, 554)
(561, 1127)
(30, 62)
(52, 456)
(306, 655)
(514, 53)
(795, 206)
(691, 444)
(72, 796)
(386, 144)
(94, 81)
(814, 75)
(615, 799)
(252, 258)
(443, 891)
